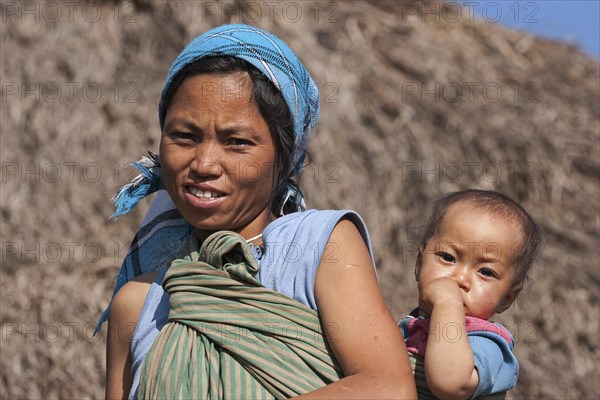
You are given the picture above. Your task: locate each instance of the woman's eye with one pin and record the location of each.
(447, 257)
(181, 135)
(239, 142)
(487, 272)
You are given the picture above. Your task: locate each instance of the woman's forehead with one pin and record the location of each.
(234, 87)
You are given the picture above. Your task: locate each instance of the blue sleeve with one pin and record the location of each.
(496, 364)
(162, 234)
(295, 246)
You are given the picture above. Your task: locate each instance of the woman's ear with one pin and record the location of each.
(509, 298)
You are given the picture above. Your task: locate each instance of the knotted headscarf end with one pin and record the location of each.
(144, 184)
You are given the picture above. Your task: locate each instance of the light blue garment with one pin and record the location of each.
(494, 359)
(161, 235)
(294, 246)
(496, 364)
(164, 229)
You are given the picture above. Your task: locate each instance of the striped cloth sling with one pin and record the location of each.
(228, 337)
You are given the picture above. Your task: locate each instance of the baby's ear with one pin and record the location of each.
(418, 263)
(509, 298)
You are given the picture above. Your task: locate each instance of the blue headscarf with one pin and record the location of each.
(271, 56)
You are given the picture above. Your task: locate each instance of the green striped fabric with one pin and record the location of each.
(228, 337)
(417, 363)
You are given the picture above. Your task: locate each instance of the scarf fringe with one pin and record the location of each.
(146, 183)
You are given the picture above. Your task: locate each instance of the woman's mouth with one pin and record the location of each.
(203, 199)
(204, 194)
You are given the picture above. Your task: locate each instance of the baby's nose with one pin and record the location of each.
(461, 275)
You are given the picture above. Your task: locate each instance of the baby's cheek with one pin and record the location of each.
(430, 274)
(487, 305)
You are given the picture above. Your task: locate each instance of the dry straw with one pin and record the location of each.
(413, 105)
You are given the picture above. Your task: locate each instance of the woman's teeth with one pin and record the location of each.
(205, 194)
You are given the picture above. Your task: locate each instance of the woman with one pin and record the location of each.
(236, 113)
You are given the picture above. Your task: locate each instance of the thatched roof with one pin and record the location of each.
(412, 106)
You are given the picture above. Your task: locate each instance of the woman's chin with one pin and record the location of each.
(204, 227)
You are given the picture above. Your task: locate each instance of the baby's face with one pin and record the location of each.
(476, 249)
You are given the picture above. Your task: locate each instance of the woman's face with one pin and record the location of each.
(218, 155)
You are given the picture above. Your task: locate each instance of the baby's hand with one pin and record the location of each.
(449, 362)
(441, 292)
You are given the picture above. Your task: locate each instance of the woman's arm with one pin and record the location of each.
(449, 363)
(124, 312)
(359, 327)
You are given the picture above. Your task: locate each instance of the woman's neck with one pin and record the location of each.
(249, 231)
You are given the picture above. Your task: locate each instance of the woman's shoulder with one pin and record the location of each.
(323, 223)
(323, 219)
(296, 244)
(312, 229)
(128, 302)
(313, 213)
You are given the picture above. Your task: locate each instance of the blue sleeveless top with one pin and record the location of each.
(294, 246)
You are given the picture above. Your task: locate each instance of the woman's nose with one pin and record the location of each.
(207, 161)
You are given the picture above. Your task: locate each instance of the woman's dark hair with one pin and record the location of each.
(273, 109)
(498, 204)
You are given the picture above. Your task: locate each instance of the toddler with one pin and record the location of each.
(473, 259)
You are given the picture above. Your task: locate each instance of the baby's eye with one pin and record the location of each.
(487, 272)
(446, 257)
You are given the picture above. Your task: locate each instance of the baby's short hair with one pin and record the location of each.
(498, 204)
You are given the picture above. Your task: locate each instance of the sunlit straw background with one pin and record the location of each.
(418, 98)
